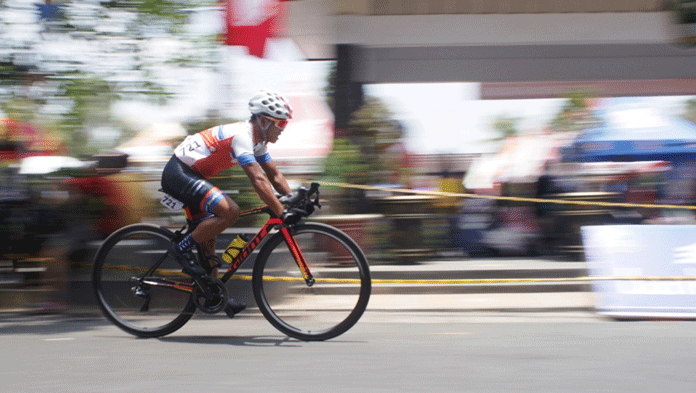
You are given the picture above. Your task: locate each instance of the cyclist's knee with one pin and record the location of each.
(229, 212)
(231, 217)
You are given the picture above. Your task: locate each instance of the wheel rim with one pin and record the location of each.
(129, 256)
(327, 308)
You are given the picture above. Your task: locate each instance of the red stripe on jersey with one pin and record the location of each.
(208, 137)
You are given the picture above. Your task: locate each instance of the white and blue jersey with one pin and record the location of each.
(220, 147)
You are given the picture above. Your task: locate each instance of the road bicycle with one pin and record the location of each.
(310, 280)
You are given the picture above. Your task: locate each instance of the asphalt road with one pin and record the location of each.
(384, 352)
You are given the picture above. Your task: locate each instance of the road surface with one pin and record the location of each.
(384, 352)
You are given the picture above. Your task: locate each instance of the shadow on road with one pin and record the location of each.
(252, 341)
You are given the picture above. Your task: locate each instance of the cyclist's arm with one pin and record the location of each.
(276, 178)
(263, 187)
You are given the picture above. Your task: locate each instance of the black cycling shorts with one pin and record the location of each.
(183, 183)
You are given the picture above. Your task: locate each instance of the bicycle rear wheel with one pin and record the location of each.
(138, 286)
(322, 310)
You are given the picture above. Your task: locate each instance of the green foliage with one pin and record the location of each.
(73, 95)
(576, 114)
(690, 110)
(367, 156)
(165, 9)
(345, 163)
(374, 131)
(506, 126)
(92, 98)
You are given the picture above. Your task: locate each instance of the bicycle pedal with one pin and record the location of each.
(233, 307)
(140, 293)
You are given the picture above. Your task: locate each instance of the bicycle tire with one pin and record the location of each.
(132, 250)
(329, 307)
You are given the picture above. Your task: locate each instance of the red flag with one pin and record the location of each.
(251, 22)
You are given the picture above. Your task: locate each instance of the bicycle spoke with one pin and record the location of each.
(140, 288)
(320, 309)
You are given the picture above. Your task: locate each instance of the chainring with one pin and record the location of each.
(218, 296)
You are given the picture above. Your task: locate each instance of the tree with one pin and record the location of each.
(345, 163)
(505, 127)
(65, 73)
(374, 130)
(575, 115)
(364, 157)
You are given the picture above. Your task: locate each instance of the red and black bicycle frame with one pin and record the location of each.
(241, 257)
(265, 230)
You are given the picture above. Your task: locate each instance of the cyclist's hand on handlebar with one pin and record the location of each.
(292, 216)
(301, 200)
(294, 199)
(285, 199)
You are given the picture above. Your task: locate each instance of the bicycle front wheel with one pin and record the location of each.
(317, 310)
(138, 285)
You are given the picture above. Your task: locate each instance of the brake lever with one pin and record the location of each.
(315, 202)
(314, 191)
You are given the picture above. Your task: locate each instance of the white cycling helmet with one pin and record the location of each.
(270, 104)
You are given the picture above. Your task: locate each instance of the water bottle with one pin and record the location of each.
(235, 247)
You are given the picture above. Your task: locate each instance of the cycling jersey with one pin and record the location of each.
(220, 147)
(203, 155)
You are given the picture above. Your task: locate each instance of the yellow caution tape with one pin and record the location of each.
(475, 282)
(481, 196)
(505, 198)
(246, 277)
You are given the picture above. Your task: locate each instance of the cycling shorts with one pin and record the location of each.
(198, 194)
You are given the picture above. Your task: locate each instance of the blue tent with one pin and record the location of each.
(631, 129)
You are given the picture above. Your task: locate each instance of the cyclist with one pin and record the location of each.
(203, 155)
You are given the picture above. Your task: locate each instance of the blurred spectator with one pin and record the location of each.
(98, 202)
(546, 188)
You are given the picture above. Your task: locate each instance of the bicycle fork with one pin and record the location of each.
(297, 255)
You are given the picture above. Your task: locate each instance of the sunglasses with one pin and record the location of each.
(278, 122)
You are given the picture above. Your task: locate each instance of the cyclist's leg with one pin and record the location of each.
(225, 214)
(201, 197)
(211, 261)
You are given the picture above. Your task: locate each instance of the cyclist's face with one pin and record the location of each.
(275, 128)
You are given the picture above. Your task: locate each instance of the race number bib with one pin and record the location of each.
(171, 203)
(192, 149)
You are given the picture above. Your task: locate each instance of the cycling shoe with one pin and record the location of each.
(233, 307)
(187, 262)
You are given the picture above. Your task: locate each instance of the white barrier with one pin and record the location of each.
(643, 251)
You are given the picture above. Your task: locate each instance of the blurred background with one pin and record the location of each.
(563, 100)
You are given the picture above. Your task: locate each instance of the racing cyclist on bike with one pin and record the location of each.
(203, 155)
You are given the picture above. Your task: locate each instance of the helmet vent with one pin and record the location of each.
(269, 104)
